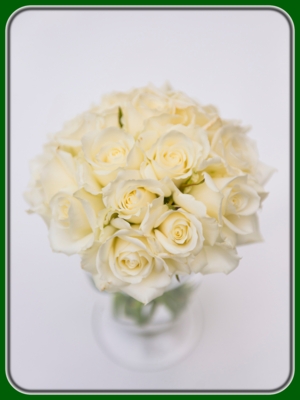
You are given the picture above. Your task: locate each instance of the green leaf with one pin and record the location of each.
(168, 200)
(120, 115)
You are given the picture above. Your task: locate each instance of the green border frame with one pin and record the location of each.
(8, 9)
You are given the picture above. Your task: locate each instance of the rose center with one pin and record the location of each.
(132, 198)
(111, 154)
(180, 233)
(173, 157)
(60, 211)
(130, 263)
(63, 211)
(237, 202)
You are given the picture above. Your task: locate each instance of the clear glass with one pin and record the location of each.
(154, 336)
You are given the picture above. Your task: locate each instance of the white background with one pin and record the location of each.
(61, 63)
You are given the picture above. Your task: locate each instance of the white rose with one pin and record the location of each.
(51, 172)
(58, 174)
(197, 208)
(236, 149)
(125, 262)
(106, 152)
(70, 231)
(159, 126)
(179, 232)
(35, 195)
(73, 226)
(89, 256)
(69, 138)
(108, 118)
(135, 106)
(175, 155)
(171, 241)
(86, 176)
(231, 201)
(141, 105)
(219, 258)
(129, 195)
(239, 152)
(186, 111)
(94, 120)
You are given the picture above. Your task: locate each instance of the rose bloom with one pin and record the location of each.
(146, 185)
(175, 155)
(188, 243)
(73, 226)
(233, 203)
(239, 152)
(125, 262)
(107, 151)
(129, 195)
(52, 172)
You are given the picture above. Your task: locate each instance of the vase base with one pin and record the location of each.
(145, 349)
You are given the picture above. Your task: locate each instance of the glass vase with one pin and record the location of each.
(153, 336)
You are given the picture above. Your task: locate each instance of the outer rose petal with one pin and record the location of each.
(150, 288)
(212, 199)
(219, 258)
(73, 234)
(129, 195)
(86, 177)
(91, 204)
(58, 174)
(253, 237)
(61, 240)
(89, 256)
(88, 259)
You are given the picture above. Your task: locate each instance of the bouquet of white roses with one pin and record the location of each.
(149, 185)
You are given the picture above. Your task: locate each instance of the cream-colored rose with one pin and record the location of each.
(58, 174)
(69, 138)
(140, 106)
(94, 120)
(169, 235)
(239, 152)
(176, 156)
(35, 195)
(232, 144)
(86, 176)
(125, 262)
(70, 231)
(107, 151)
(219, 258)
(89, 256)
(179, 232)
(186, 111)
(73, 226)
(108, 117)
(216, 255)
(231, 201)
(135, 106)
(53, 171)
(129, 195)
(197, 208)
